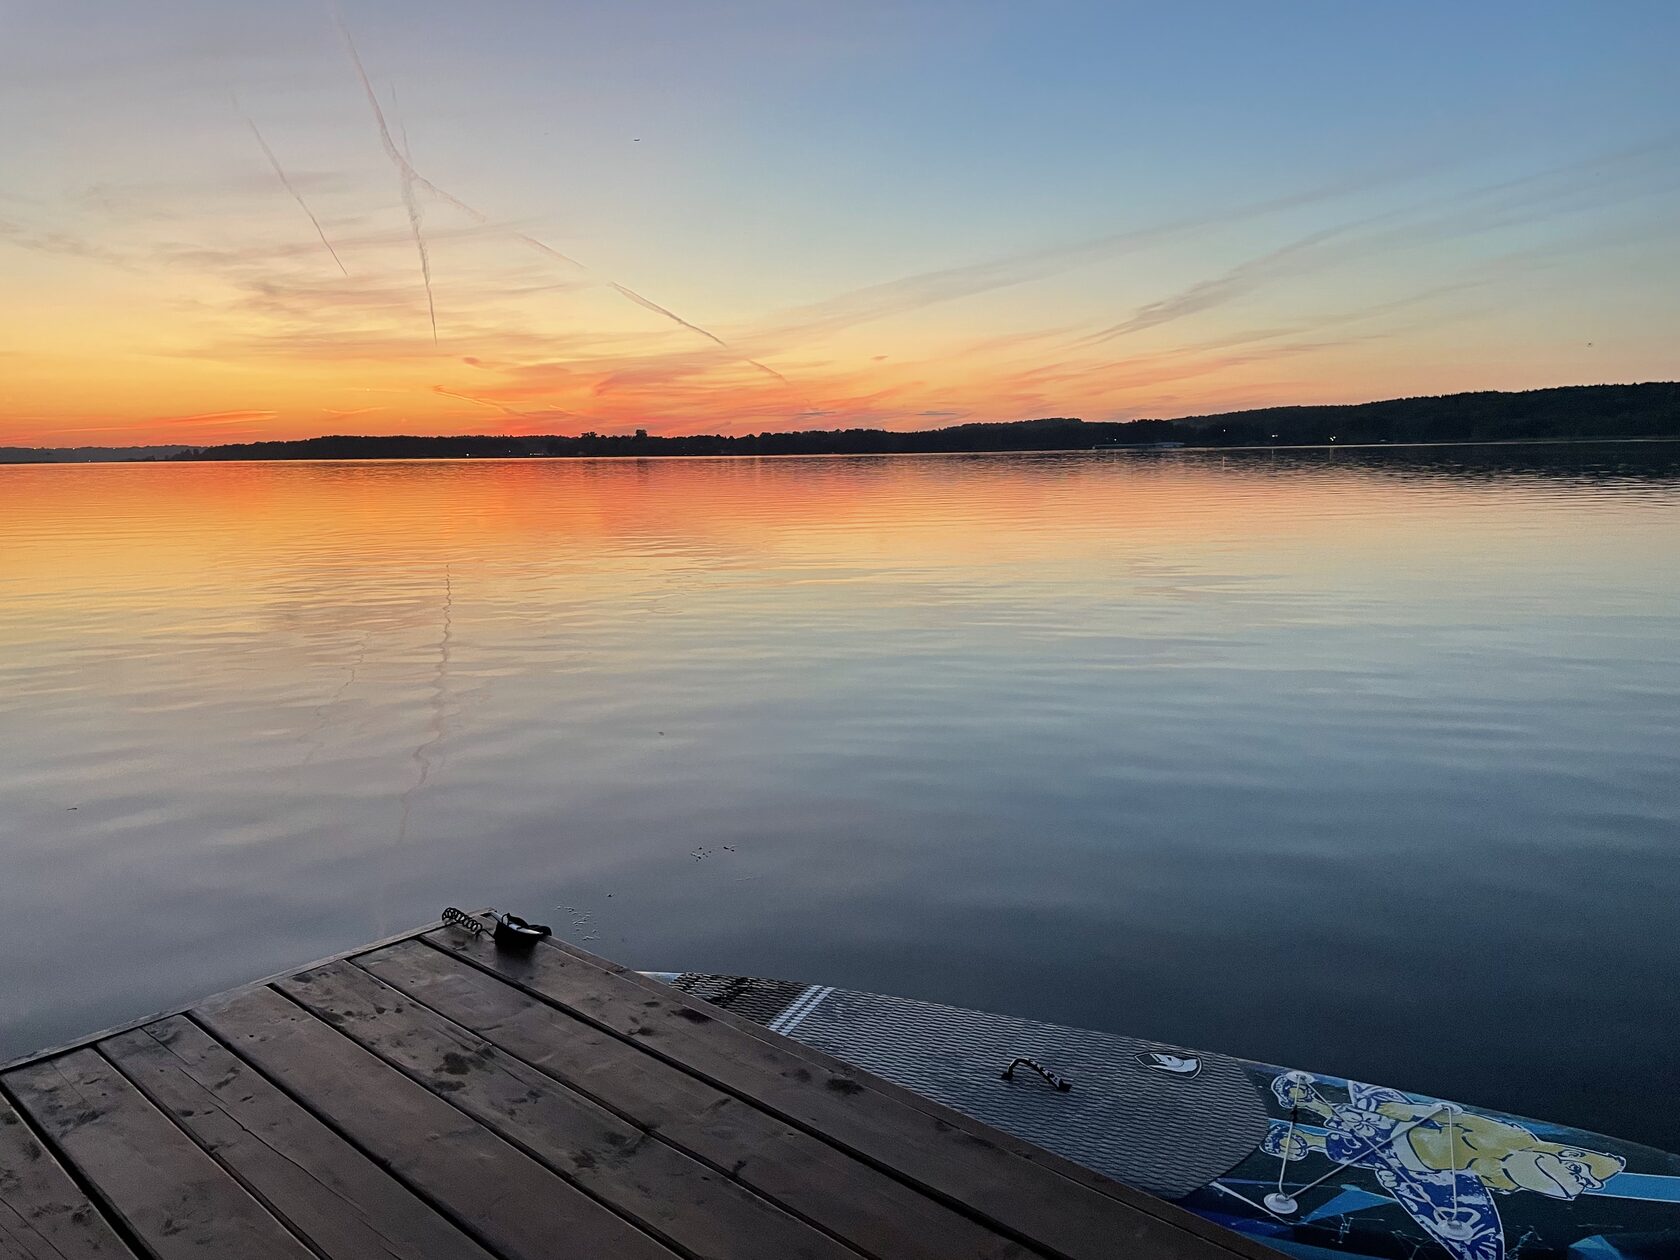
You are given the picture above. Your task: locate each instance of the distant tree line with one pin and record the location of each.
(1581, 411)
(87, 454)
(1577, 411)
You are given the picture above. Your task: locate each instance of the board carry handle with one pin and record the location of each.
(1060, 1083)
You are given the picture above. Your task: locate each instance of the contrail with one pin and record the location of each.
(413, 178)
(406, 173)
(534, 243)
(398, 159)
(657, 309)
(482, 402)
(407, 176)
(402, 127)
(770, 371)
(413, 208)
(296, 195)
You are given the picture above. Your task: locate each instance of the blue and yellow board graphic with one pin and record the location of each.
(1346, 1167)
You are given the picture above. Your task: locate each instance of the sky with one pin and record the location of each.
(225, 221)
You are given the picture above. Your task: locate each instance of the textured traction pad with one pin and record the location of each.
(1162, 1131)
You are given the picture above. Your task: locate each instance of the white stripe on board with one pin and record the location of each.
(793, 1008)
(789, 1025)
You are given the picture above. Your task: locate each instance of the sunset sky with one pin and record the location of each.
(217, 217)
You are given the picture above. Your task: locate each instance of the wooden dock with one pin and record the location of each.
(435, 1098)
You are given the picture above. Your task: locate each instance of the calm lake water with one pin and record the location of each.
(1362, 761)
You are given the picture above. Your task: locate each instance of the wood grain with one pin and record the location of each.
(508, 1202)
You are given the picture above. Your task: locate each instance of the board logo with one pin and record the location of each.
(1175, 1065)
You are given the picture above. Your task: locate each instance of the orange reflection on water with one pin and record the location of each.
(152, 521)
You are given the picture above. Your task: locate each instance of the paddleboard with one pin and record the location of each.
(1315, 1166)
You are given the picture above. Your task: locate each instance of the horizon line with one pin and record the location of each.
(640, 432)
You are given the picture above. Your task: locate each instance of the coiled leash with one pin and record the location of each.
(461, 919)
(510, 932)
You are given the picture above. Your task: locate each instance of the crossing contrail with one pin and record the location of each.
(407, 176)
(296, 195)
(414, 216)
(413, 179)
(413, 208)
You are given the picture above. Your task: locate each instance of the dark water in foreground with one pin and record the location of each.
(1367, 762)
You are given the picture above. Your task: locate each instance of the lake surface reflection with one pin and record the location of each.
(1363, 761)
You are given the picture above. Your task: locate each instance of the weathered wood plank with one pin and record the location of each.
(1140, 1200)
(329, 1192)
(961, 1165)
(88, 1039)
(43, 1214)
(701, 1212)
(169, 1193)
(508, 1201)
(874, 1212)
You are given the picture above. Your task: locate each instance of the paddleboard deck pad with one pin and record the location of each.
(1312, 1165)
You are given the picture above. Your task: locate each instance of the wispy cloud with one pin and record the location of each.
(41, 241)
(1207, 294)
(189, 429)
(216, 417)
(949, 284)
(1625, 175)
